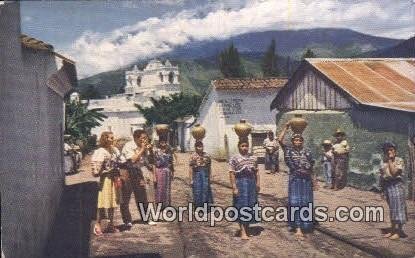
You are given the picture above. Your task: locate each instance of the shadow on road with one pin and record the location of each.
(255, 230)
(71, 231)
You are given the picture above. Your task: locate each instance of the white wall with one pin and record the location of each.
(208, 118)
(31, 126)
(223, 109)
(122, 124)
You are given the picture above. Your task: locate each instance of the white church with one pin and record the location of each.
(155, 80)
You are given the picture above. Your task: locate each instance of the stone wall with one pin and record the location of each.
(366, 131)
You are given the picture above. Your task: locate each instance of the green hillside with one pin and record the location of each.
(104, 83)
(195, 75)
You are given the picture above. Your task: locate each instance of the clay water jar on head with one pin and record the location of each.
(242, 129)
(198, 132)
(298, 124)
(162, 129)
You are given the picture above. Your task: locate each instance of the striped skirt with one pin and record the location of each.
(395, 196)
(247, 197)
(163, 189)
(202, 193)
(300, 194)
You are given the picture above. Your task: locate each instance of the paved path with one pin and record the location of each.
(198, 239)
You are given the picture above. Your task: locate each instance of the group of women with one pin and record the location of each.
(244, 179)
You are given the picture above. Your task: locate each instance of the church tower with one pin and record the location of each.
(155, 80)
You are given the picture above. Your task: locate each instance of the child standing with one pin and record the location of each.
(327, 162)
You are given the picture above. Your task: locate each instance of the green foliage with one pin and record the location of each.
(167, 109)
(106, 83)
(269, 62)
(230, 63)
(308, 54)
(288, 67)
(196, 75)
(79, 120)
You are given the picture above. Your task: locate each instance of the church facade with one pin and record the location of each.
(157, 79)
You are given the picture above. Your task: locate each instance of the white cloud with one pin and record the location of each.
(96, 52)
(138, 4)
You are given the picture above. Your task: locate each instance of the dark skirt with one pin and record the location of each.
(300, 194)
(247, 197)
(395, 196)
(340, 169)
(202, 193)
(163, 188)
(271, 160)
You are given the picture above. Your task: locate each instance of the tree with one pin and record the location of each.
(269, 62)
(167, 109)
(288, 67)
(308, 54)
(230, 63)
(79, 120)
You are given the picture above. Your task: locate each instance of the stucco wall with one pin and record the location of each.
(31, 125)
(210, 120)
(224, 109)
(366, 132)
(122, 124)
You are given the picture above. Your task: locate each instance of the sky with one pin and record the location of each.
(104, 35)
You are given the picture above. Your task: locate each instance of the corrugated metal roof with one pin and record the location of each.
(380, 82)
(248, 83)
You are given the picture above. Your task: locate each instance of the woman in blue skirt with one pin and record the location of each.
(301, 182)
(244, 177)
(393, 186)
(200, 174)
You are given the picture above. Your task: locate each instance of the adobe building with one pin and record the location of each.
(372, 100)
(33, 80)
(230, 100)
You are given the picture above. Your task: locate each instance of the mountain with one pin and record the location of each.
(198, 60)
(325, 42)
(403, 49)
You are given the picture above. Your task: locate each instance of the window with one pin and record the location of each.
(139, 81)
(171, 77)
(161, 77)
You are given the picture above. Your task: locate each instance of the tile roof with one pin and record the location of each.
(380, 82)
(33, 43)
(248, 83)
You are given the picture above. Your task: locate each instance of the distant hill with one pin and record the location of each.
(325, 42)
(197, 61)
(403, 49)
